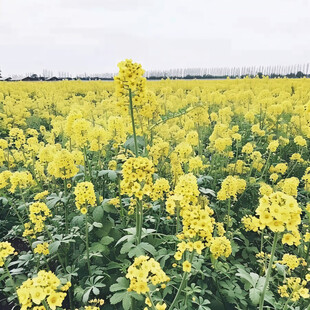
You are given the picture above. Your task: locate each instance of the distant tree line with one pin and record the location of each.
(296, 71)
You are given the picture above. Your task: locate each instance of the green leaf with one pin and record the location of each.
(126, 247)
(117, 297)
(254, 277)
(122, 284)
(107, 240)
(136, 251)
(96, 290)
(112, 175)
(255, 295)
(52, 200)
(97, 225)
(281, 269)
(148, 247)
(78, 292)
(126, 302)
(109, 208)
(130, 143)
(246, 276)
(78, 221)
(98, 214)
(207, 191)
(97, 247)
(102, 173)
(86, 295)
(3, 200)
(53, 247)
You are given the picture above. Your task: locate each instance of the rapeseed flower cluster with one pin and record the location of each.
(84, 196)
(280, 213)
(45, 287)
(63, 165)
(220, 246)
(42, 248)
(6, 249)
(231, 186)
(20, 180)
(294, 289)
(137, 177)
(144, 271)
(38, 213)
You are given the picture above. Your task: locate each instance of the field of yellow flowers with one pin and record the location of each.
(155, 195)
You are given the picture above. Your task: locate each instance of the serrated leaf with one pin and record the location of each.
(136, 251)
(126, 247)
(255, 295)
(246, 276)
(254, 277)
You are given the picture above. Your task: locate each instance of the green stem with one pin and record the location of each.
(262, 240)
(87, 246)
(133, 122)
(286, 304)
(45, 305)
(58, 255)
(184, 278)
(266, 165)
(70, 297)
(199, 141)
(262, 298)
(178, 221)
(120, 200)
(151, 300)
(9, 275)
(87, 166)
(228, 215)
(65, 206)
(306, 259)
(22, 222)
(139, 219)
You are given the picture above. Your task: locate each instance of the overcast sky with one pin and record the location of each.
(92, 36)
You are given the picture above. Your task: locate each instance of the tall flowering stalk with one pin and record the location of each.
(137, 182)
(281, 214)
(130, 84)
(84, 197)
(145, 271)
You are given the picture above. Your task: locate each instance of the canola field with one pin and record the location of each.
(160, 195)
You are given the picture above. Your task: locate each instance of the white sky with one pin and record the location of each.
(92, 36)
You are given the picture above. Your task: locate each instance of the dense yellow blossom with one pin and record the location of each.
(44, 287)
(230, 187)
(137, 177)
(6, 249)
(144, 271)
(84, 195)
